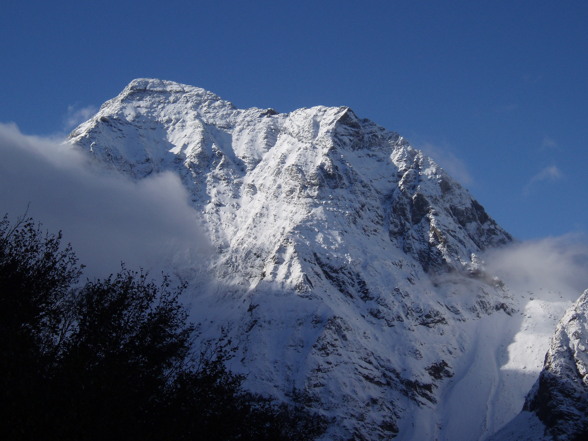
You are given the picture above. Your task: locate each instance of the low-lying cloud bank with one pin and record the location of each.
(107, 218)
(553, 268)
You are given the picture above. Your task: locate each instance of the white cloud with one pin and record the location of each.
(554, 267)
(550, 173)
(456, 168)
(77, 115)
(107, 218)
(549, 143)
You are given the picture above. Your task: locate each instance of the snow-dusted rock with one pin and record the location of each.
(559, 399)
(346, 261)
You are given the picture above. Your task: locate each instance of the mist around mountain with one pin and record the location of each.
(341, 261)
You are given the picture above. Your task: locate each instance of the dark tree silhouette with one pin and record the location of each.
(36, 279)
(113, 359)
(129, 342)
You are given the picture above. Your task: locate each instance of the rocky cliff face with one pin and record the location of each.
(346, 259)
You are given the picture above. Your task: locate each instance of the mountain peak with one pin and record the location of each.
(326, 149)
(152, 93)
(164, 86)
(331, 232)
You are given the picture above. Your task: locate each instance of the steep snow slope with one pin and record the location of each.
(491, 379)
(347, 260)
(558, 402)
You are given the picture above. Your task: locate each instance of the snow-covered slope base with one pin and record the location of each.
(558, 401)
(347, 261)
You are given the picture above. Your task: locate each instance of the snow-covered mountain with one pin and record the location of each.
(347, 262)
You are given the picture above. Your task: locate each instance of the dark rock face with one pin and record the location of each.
(562, 406)
(440, 370)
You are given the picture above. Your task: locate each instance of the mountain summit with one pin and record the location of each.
(238, 163)
(347, 261)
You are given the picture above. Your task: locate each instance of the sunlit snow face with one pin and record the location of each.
(107, 218)
(543, 277)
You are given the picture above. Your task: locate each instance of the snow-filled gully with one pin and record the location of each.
(503, 358)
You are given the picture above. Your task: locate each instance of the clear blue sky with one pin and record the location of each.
(497, 91)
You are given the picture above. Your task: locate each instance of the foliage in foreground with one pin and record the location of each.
(112, 359)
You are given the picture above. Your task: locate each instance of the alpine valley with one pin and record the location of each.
(349, 272)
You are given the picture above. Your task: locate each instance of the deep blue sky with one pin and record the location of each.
(497, 91)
